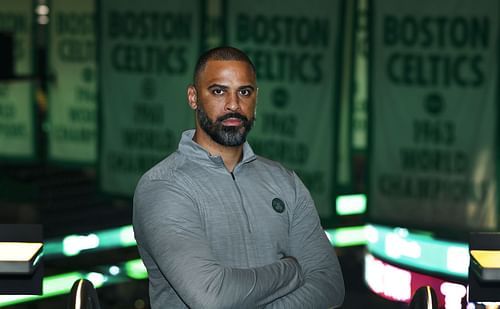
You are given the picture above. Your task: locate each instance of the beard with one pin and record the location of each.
(225, 135)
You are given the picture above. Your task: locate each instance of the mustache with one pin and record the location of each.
(232, 115)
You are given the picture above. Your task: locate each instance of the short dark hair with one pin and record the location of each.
(220, 53)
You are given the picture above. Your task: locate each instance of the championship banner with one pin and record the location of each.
(72, 92)
(17, 107)
(147, 52)
(434, 97)
(295, 53)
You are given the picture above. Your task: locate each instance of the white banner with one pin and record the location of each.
(147, 51)
(17, 108)
(295, 51)
(434, 103)
(72, 93)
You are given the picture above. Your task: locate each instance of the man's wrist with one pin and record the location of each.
(292, 259)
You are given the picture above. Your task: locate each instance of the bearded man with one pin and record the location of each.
(220, 227)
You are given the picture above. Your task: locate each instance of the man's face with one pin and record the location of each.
(225, 104)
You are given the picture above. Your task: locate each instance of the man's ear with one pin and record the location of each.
(192, 97)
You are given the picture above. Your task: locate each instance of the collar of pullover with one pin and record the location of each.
(191, 149)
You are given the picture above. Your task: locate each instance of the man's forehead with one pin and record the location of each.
(240, 70)
(223, 64)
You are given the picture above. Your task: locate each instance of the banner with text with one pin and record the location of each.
(147, 51)
(72, 93)
(434, 102)
(17, 108)
(295, 52)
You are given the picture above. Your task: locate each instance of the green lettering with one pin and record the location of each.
(152, 114)
(149, 59)
(282, 30)
(284, 125)
(75, 23)
(436, 31)
(74, 50)
(165, 26)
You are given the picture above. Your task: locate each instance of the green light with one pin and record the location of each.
(74, 244)
(116, 238)
(347, 236)
(51, 248)
(418, 250)
(353, 204)
(127, 237)
(97, 279)
(61, 284)
(135, 269)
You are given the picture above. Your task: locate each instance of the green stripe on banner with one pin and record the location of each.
(17, 107)
(295, 52)
(360, 96)
(72, 135)
(147, 51)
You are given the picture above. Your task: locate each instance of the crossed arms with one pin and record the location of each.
(170, 229)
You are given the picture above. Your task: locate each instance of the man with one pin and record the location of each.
(218, 226)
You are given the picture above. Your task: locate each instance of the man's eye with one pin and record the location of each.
(245, 92)
(218, 91)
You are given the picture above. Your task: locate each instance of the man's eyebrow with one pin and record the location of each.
(212, 86)
(252, 87)
(217, 86)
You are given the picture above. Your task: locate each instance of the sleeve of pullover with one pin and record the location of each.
(324, 285)
(167, 224)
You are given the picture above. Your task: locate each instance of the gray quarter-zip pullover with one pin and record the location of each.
(214, 239)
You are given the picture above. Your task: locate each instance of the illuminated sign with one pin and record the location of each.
(73, 244)
(418, 250)
(399, 284)
(352, 204)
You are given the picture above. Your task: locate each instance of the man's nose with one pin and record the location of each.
(233, 102)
